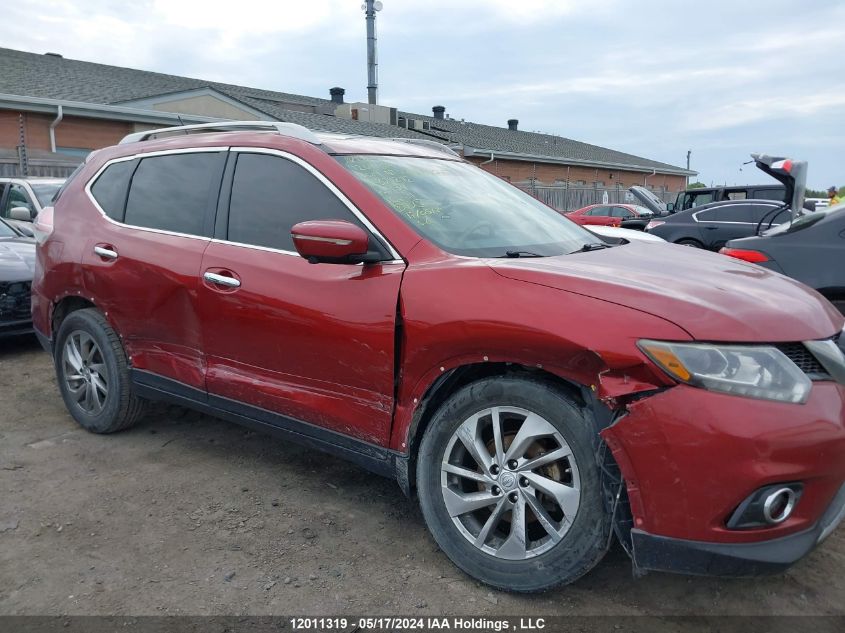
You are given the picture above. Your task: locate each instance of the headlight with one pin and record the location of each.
(755, 372)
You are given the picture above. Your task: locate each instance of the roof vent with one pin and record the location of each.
(337, 94)
(513, 124)
(54, 55)
(439, 112)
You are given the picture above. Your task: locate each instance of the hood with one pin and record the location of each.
(648, 200)
(17, 258)
(712, 297)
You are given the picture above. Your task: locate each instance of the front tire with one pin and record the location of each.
(93, 374)
(509, 486)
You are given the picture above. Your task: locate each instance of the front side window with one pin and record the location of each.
(463, 209)
(621, 212)
(17, 198)
(173, 192)
(270, 194)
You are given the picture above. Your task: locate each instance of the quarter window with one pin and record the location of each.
(109, 190)
(270, 194)
(174, 192)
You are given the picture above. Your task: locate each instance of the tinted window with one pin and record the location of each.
(729, 213)
(621, 212)
(109, 190)
(270, 194)
(769, 194)
(600, 211)
(173, 192)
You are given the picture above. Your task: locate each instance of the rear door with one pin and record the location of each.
(142, 262)
(725, 222)
(293, 341)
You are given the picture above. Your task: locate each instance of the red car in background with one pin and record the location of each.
(538, 390)
(627, 215)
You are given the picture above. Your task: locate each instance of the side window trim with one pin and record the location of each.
(326, 183)
(209, 220)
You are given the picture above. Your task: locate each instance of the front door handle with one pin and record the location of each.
(105, 253)
(222, 280)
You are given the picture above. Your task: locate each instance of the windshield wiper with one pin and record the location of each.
(515, 254)
(592, 246)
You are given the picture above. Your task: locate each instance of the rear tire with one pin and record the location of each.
(690, 242)
(513, 524)
(93, 374)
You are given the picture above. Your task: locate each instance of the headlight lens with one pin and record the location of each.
(754, 372)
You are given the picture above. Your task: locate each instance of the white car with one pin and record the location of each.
(624, 234)
(21, 199)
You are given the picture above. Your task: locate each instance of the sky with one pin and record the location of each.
(649, 77)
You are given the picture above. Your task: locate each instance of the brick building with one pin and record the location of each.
(55, 110)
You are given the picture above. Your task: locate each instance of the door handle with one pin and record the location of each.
(222, 280)
(711, 228)
(104, 252)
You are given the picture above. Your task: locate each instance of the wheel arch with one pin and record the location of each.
(64, 306)
(455, 378)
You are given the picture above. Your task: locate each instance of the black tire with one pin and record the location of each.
(690, 242)
(582, 546)
(121, 408)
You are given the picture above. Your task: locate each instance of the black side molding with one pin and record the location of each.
(377, 459)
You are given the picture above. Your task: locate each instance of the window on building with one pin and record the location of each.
(109, 190)
(270, 194)
(73, 151)
(174, 192)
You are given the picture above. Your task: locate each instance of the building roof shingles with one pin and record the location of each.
(52, 77)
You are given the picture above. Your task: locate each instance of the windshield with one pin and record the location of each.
(45, 191)
(6, 231)
(804, 221)
(464, 210)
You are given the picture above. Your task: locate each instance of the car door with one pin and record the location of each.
(142, 262)
(288, 341)
(602, 216)
(725, 222)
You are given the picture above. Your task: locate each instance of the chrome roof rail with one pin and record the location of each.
(286, 129)
(425, 142)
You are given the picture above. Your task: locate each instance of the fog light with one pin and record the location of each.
(778, 505)
(766, 506)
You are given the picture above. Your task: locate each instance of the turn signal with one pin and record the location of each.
(755, 257)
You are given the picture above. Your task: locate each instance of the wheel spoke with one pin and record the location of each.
(469, 436)
(491, 523)
(99, 368)
(515, 546)
(96, 402)
(458, 504)
(74, 357)
(466, 473)
(99, 384)
(92, 349)
(77, 393)
(542, 460)
(497, 435)
(533, 428)
(89, 397)
(552, 528)
(567, 497)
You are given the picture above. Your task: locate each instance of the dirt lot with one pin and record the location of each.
(186, 514)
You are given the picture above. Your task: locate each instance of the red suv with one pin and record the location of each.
(386, 301)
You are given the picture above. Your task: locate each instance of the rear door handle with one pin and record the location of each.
(222, 280)
(104, 252)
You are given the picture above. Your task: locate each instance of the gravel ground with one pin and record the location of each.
(186, 514)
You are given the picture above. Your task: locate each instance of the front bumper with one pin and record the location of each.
(661, 553)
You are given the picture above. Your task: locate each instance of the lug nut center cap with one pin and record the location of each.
(508, 481)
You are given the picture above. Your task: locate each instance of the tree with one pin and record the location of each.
(696, 185)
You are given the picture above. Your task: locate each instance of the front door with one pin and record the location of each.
(311, 342)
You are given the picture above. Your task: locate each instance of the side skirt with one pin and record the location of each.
(376, 459)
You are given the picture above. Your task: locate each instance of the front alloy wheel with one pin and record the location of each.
(510, 482)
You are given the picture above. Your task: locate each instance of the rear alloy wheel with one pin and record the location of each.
(691, 243)
(93, 374)
(509, 486)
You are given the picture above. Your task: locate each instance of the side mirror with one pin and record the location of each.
(670, 207)
(332, 242)
(20, 213)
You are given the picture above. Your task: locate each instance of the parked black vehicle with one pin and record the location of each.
(810, 249)
(17, 262)
(692, 198)
(712, 225)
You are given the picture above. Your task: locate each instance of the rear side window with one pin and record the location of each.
(109, 190)
(270, 194)
(174, 192)
(729, 213)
